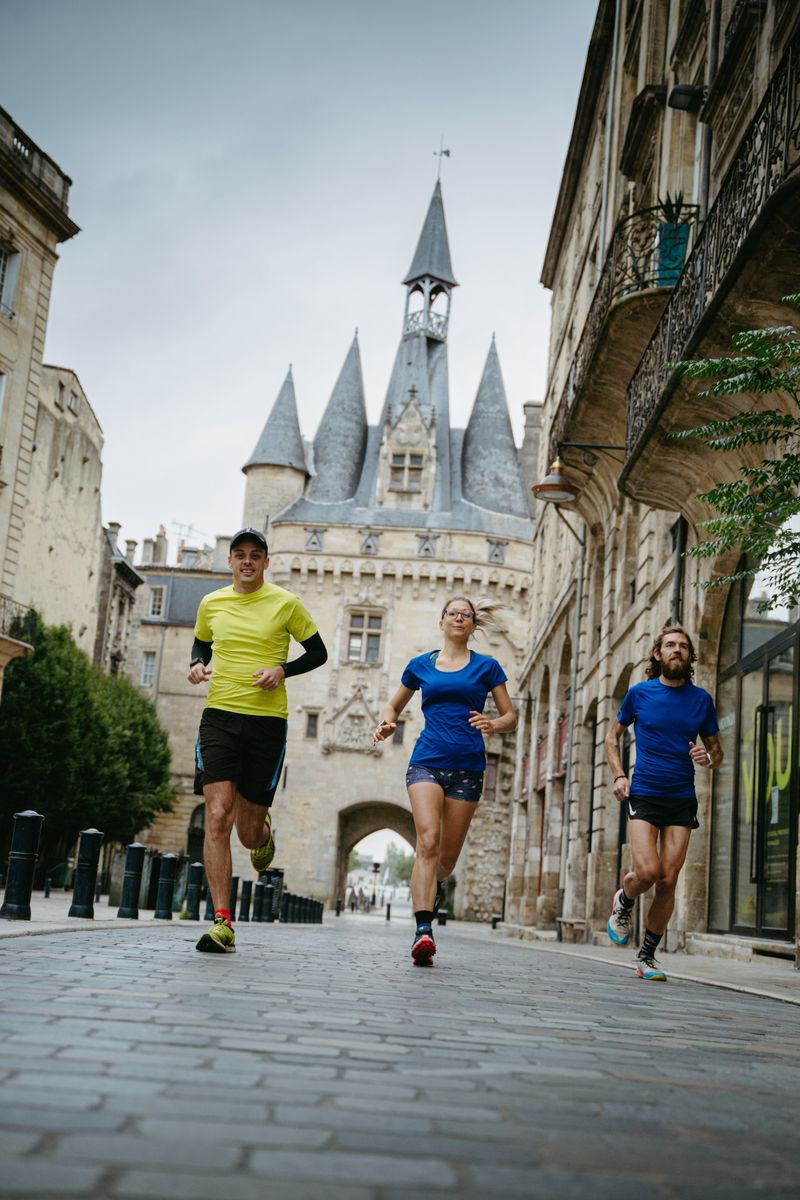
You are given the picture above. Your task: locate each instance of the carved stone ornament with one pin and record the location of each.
(350, 726)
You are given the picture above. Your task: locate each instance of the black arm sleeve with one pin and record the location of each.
(201, 650)
(315, 655)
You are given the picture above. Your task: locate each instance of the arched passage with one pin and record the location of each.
(358, 822)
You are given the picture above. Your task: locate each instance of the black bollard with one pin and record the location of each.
(234, 894)
(268, 912)
(193, 889)
(441, 916)
(48, 883)
(132, 882)
(244, 906)
(338, 908)
(284, 907)
(209, 913)
(258, 902)
(496, 919)
(320, 911)
(21, 864)
(86, 873)
(166, 887)
(388, 911)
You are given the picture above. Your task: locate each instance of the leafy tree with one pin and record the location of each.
(399, 864)
(757, 512)
(81, 747)
(354, 861)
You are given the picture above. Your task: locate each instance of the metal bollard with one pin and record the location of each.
(496, 919)
(193, 889)
(132, 882)
(338, 908)
(244, 905)
(284, 908)
(388, 911)
(258, 902)
(268, 912)
(234, 894)
(209, 913)
(320, 911)
(48, 883)
(21, 864)
(166, 887)
(86, 873)
(441, 916)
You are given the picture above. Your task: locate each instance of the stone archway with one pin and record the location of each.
(359, 821)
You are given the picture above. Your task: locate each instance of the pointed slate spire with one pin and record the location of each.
(432, 256)
(491, 473)
(281, 443)
(342, 435)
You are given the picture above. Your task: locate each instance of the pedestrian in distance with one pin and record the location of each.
(668, 713)
(241, 743)
(445, 773)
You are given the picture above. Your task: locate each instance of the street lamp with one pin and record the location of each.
(375, 869)
(555, 488)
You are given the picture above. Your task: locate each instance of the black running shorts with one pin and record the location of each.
(662, 811)
(243, 749)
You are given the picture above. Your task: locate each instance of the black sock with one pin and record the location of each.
(423, 917)
(624, 900)
(649, 944)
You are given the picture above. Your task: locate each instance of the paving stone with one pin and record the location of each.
(27, 1178)
(360, 1168)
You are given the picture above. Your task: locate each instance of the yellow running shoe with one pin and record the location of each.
(263, 855)
(220, 938)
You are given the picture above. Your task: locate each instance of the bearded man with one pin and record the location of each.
(669, 713)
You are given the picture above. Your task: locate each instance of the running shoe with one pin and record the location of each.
(220, 938)
(648, 968)
(423, 947)
(620, 923)
(263, 855)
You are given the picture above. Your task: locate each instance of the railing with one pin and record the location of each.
(433, 324)
(33, 161)
(11, 613)
(647, 251)
(768, 155)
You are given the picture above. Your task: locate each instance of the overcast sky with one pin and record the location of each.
(251, 178)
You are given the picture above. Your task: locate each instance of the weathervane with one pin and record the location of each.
(440, 154)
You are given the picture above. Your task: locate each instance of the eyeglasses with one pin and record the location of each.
(459, 612)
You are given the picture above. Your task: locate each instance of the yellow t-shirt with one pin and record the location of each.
(250, 630)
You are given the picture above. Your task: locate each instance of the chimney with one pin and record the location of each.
(222, 549)
(148, 551)
(113, 528)
(130, 550)
(160, 555)
(529, 451)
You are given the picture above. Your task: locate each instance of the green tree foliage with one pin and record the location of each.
(81, 747)
(759, 511)
(398, 865)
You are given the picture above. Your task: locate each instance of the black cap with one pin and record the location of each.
(254, 535)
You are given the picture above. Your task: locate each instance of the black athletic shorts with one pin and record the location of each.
(663, 810)
(247, 750)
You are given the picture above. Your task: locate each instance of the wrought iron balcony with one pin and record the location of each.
(434, 325)
(12, 613)
(647, 252)
(768, 155)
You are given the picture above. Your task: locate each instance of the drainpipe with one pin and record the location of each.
(612, 87)
(708, 137)
(681, 528)
(573, 687)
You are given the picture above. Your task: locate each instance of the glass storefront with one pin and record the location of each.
(754, 822)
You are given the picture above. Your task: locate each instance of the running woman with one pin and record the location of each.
(242, 738)
(445, 774)
(668, 713)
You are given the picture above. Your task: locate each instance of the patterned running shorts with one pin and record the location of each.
(456, 785)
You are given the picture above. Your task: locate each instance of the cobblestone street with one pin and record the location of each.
(317, 1063)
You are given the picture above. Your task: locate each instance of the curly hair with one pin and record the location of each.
(484, 611)
(653, 669)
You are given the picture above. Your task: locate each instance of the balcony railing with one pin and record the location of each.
(768, 155)
(11, 614)
(432, 324)
(647, 251)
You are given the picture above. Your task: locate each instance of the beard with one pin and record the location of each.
(677, 668)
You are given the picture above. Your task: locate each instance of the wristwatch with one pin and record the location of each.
(194, 662)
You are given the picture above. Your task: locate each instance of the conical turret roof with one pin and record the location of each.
(492, 476)
(342, 436)
(281, 443)
(432, 256)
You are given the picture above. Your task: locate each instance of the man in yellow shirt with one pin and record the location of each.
(242, 739)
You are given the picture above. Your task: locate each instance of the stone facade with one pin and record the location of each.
(374, 528)
(649, 188)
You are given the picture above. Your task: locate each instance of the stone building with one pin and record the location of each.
(676, 224)
(374, 527)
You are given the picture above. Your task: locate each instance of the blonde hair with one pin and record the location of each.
(484, 611)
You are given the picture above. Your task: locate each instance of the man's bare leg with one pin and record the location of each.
(220, 801)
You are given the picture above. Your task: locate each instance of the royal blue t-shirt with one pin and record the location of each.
(448, 740)
(666, 719)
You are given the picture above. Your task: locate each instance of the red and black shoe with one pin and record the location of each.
(423, 947)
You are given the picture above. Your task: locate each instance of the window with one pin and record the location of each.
(312, 724)
(59, 396)
(72, 402)
(364, 637)
(148, 668)
(406, 473)
(9, 267)
(156, 608)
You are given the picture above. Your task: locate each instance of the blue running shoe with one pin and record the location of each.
(423, 947)
(648, 968)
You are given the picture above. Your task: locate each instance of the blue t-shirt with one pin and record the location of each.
(666, 719)
(448, 740)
